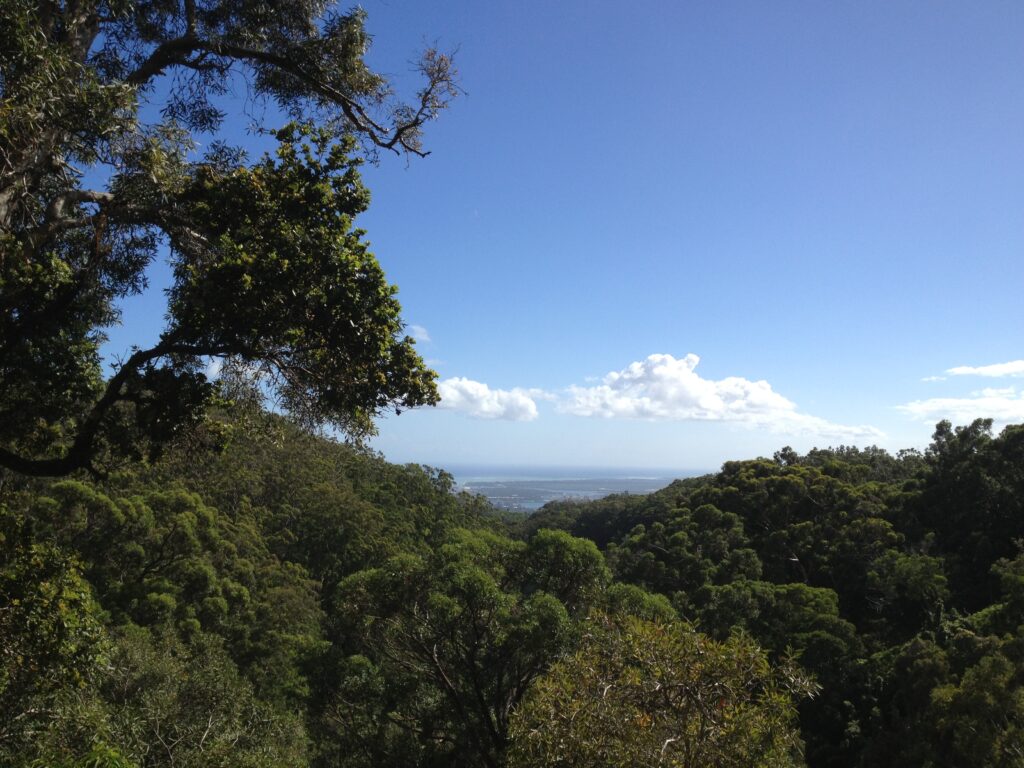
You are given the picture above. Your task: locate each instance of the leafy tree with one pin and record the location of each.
(684, 557)
(902, 721)
(856, 464)
(640, 693)
(962, 704)
(981, 720)
(804, 621)
(167, 703)
(293, 600)
(631, 600)
(443, 648)
(163, 559)
(51, 636)
(909, 590)
(970, 505)
(269, 271)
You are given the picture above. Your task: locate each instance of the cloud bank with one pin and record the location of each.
(659, 388)
(1012, 368)
(665, 388)
(1004, 406)
(476, 399)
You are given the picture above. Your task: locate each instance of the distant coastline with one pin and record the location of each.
(528, 488)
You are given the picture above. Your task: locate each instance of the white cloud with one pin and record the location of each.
(934, 378)
(1004, 406)
(476, 399)
(419, 333)
(995, 392)
(664, 388)
(541, 394)
(1012, 368)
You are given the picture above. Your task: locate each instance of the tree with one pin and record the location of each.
(50, 634)
(163, 703)
(970, 505)
(641, 693)
(442, 649)
(269, 271)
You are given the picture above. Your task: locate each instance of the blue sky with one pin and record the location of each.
(681, 233)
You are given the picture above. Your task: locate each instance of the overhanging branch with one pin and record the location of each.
(176, 52)
(82, 451)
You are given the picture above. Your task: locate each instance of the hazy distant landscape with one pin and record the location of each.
(527, 489)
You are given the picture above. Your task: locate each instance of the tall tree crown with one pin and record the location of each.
(270, 272)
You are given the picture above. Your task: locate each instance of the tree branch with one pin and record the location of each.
(190, 17)
(176, 52)
(80, 454)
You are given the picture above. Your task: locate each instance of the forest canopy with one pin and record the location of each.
(296, 601)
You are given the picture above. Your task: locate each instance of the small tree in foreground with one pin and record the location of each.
(640, 693)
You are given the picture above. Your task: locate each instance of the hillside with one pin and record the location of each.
(296, 601)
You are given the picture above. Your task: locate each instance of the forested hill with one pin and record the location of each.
(293, 601)
(898, 582)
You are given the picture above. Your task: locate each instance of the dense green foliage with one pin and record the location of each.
(894, 580)
(295, 601)
(288, 601)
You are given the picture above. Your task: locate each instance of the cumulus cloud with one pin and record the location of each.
(419, 333)
(476, 399)
(1003, 405)
(665, 388)
(1012, 368)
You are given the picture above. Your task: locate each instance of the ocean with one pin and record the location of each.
(527, 489)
